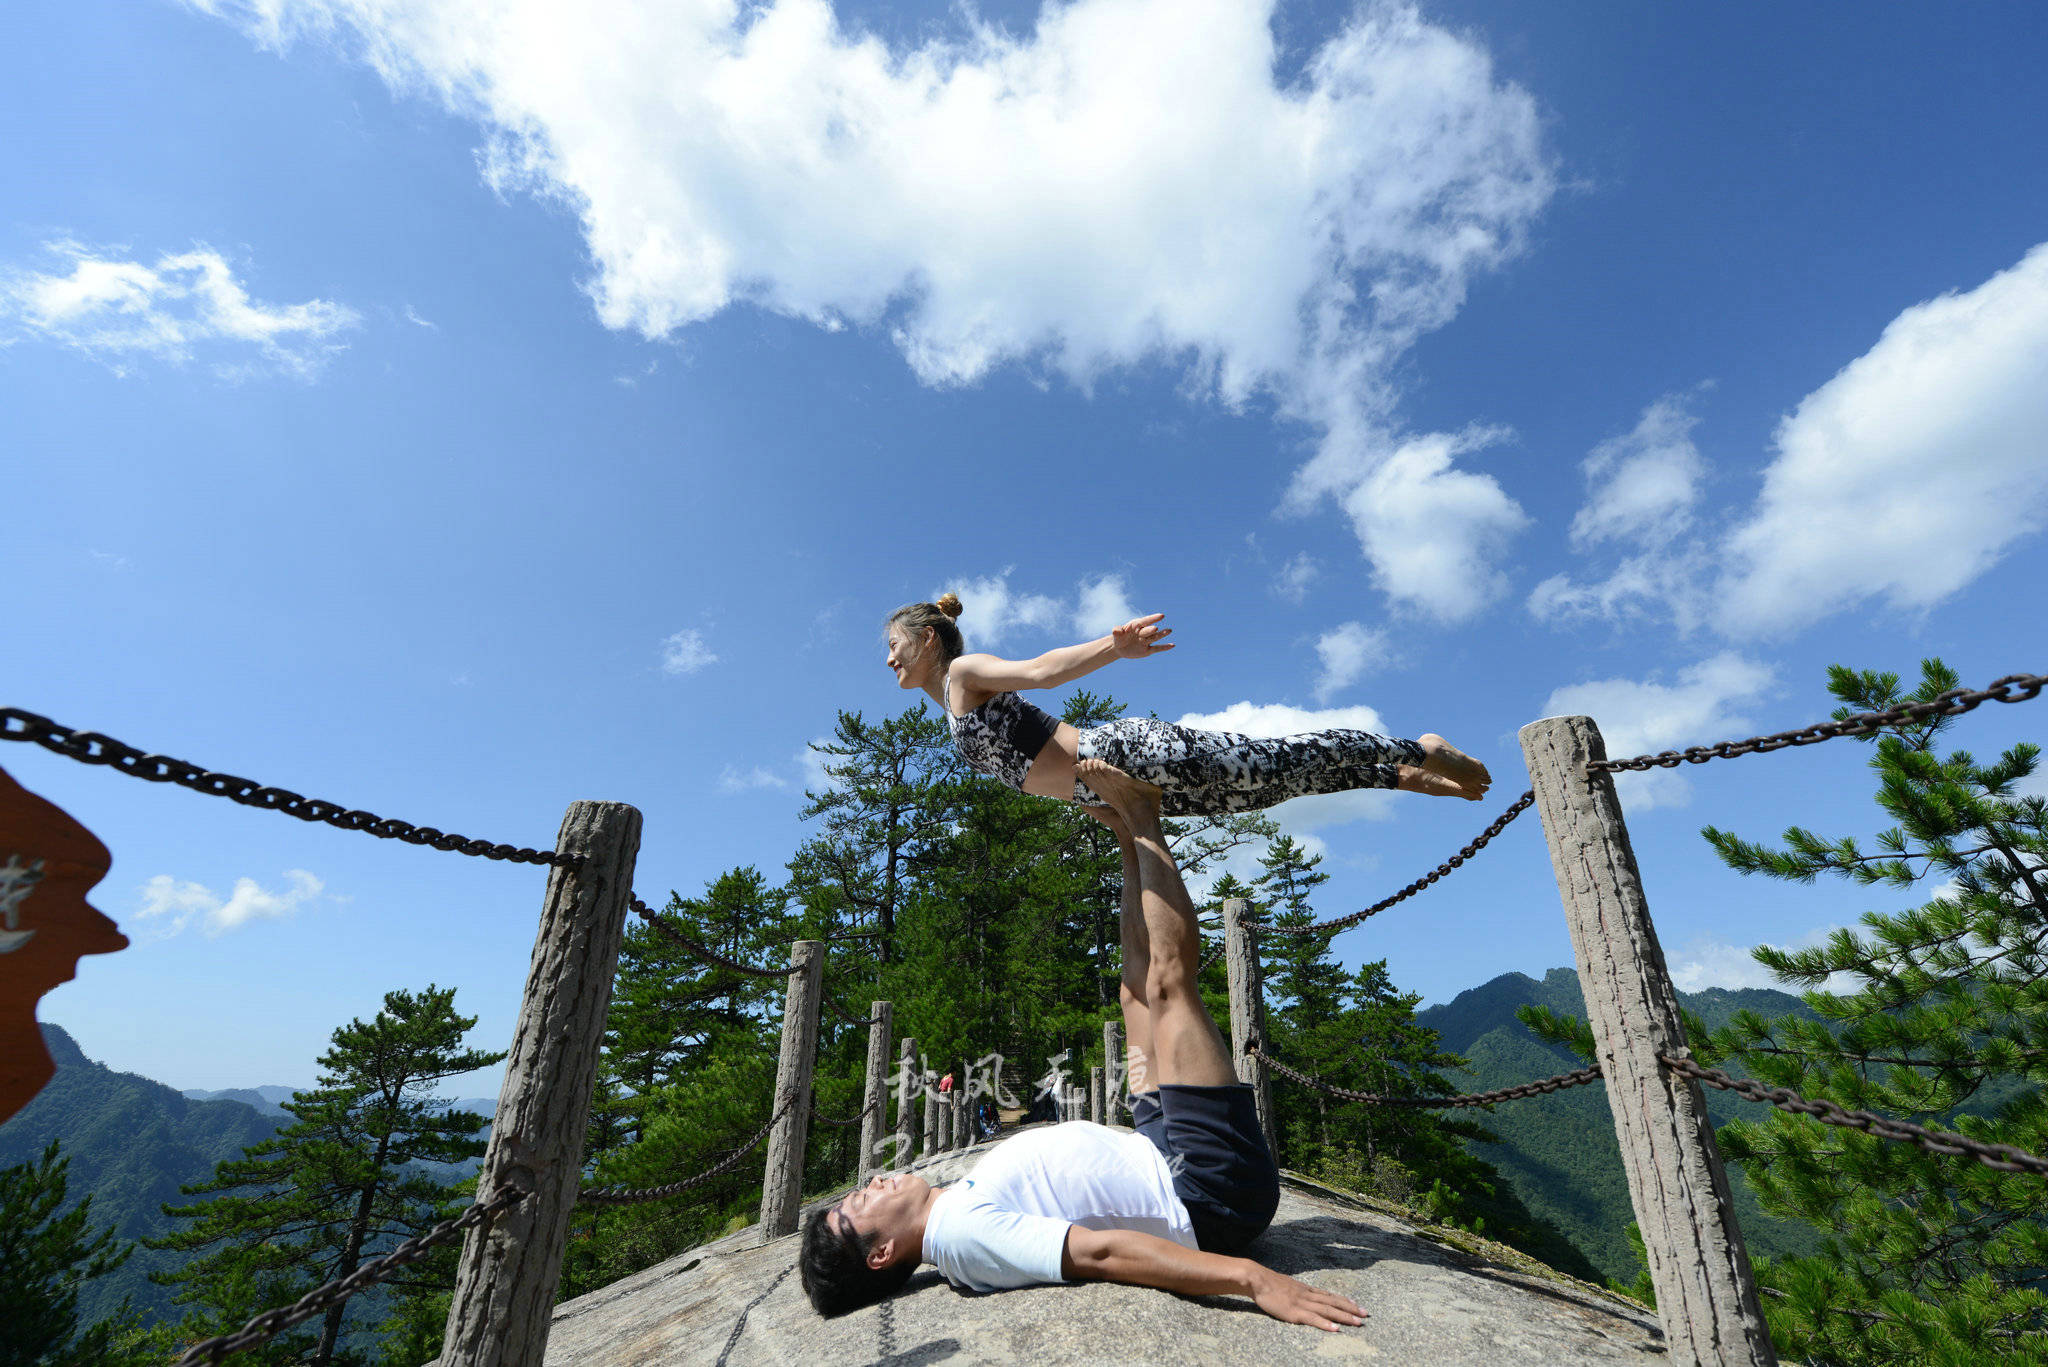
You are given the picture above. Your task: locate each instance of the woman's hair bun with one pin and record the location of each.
(948, 603)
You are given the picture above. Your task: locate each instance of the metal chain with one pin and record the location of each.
(853, 1119)
(661, 922)
(1577, 1078)
(732, 1339)
(90, 747)
(847, 1016)
(271, 1323)
(625, 1196)
(1951, 703)
(2003, 1157)
(1456, 861)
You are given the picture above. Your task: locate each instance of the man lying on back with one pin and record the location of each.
(1166, 1206)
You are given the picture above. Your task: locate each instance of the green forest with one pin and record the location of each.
(988, 919)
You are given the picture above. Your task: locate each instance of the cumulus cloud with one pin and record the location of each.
(1128, 182)
(1294, 578)
(1642, 490)
(1348, 653)
(1710, 961)
(1102, 605)
(990, 610)
(170, 905)
(1908, 474)
(733, 779)
(685, 653)
(1639, 716)
(184, 305)
(1434, 534)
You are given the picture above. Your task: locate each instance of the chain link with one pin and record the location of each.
(90, 747)
(853, 1119)
(660, 921)
(271, 1323)
(1577, 1078)
(2012, 688)
(2003, 1157)
(626, 1196)
(847, 1016)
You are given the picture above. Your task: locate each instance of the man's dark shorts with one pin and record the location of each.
(1223, 1172)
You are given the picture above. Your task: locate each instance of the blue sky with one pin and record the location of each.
(458, 409)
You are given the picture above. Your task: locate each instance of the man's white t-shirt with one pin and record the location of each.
(1005, 1223)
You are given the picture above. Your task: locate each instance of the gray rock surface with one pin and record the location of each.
(1434, 1297)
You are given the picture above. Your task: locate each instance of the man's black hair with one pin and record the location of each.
(835, 1268)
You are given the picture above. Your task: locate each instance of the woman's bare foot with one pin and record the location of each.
(1107, 815)
(1133, 799)
(1457, 773)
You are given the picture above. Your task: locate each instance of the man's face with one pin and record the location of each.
(887, 1206)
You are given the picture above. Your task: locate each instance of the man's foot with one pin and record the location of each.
(1107, 816)
(1460, 775)
(1133, 799)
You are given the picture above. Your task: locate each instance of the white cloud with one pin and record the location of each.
(412, 316)
(1433, 533)
(1101, 605)
(1347, 653)
(1128, 182)
(118, 310)
(1710, 961)
(180, 904)
(811, 760)
(1638, 717)
(685, 653)
(1294, 578)
(1643, 485)
(990, 611)
(735, 780)
(1908, 474)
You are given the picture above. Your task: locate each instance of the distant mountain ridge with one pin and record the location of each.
(1559, 1150)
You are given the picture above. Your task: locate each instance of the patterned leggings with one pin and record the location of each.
(1214, 773)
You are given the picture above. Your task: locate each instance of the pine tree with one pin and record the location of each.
(44, 1258)
(316, 1200)
(1927, 1258)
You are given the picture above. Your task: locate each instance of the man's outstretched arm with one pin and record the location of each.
(1125, 1255)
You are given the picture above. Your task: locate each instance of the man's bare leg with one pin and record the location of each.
(1187, 1048)
(1137, 960)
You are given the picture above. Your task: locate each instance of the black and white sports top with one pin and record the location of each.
(1002, 736)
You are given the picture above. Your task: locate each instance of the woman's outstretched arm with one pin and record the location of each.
(1134, 640)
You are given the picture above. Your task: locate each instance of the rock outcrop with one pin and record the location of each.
(1436, 1298)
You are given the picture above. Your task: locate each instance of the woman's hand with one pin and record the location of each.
(1141, 636)
(1297, 1302)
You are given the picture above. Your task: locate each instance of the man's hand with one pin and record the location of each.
(1297, 1302)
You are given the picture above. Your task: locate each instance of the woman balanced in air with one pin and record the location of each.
(1199, 773)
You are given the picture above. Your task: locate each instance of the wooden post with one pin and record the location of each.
(960, 1138)
(782, 1188)
(906, 1108)
(1248, 1014)
(1115, 1072)
(1095, 1095)
(932, 1123)
(1706, 1293)
(506, 1279)
(874, 1118)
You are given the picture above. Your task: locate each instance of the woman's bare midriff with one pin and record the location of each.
(1052, 772)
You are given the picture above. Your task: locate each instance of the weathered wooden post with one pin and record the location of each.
(506, 1279)
(945, 1131)
(906, 1108)
(960, 1135)
(874, 1119)
(1248, 1013)
(1116, 1072)
(1095, 1095)
(1706, 1293)
(782, 1188)
(932, 1123)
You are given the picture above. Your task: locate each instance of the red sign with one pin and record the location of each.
(48, 863)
